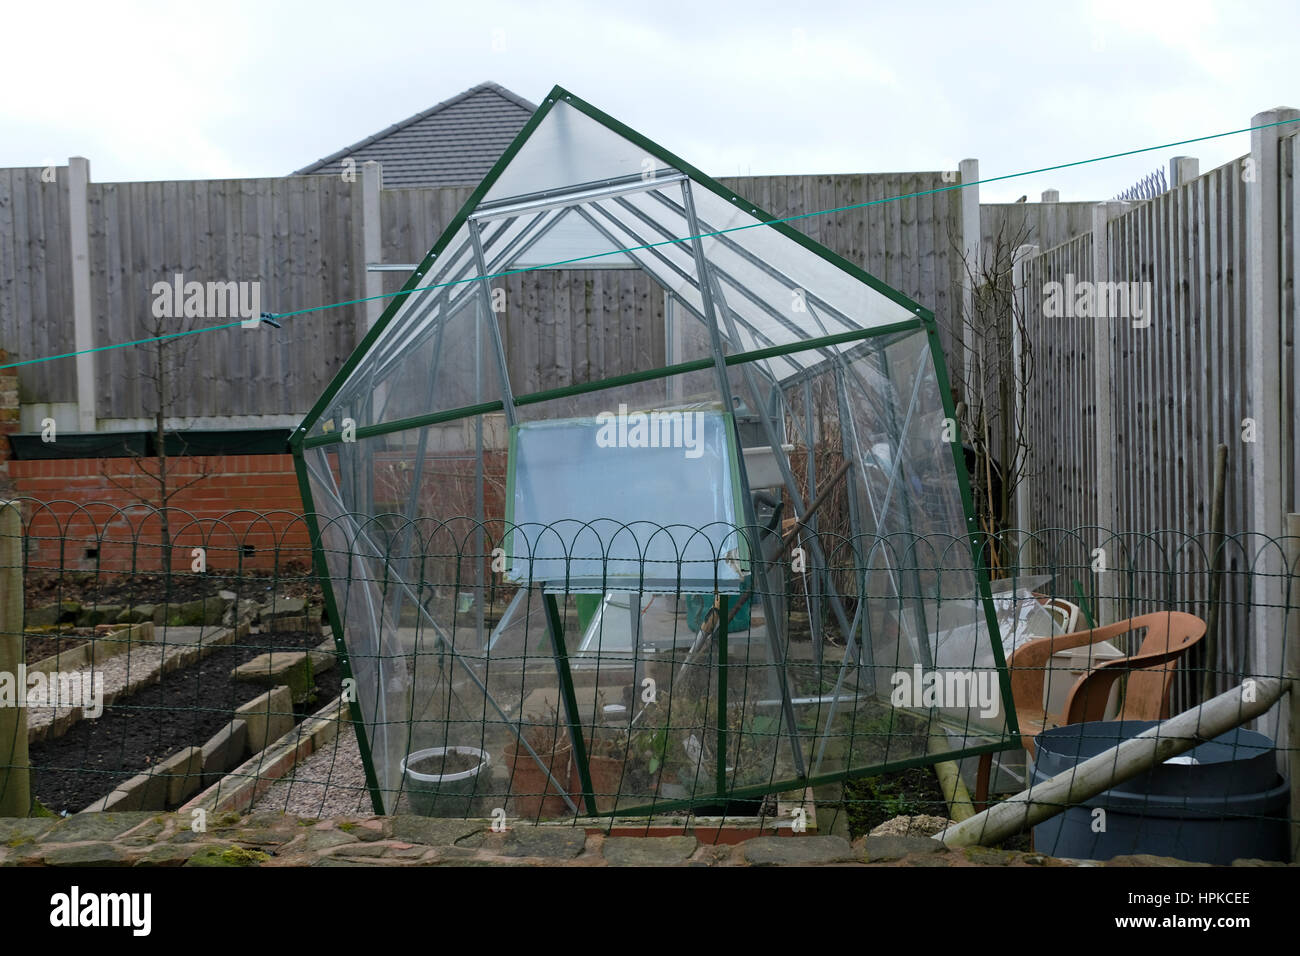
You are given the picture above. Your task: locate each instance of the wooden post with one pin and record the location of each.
(1131, 758)
(15, 776)
(1291, 672)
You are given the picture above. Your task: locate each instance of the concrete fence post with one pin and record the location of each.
(15, 776)
(1019, 306)
(1182, 170)
(1105, 480)
(969, 171)
(83, 319)
(1270, 457)
(1288, 739)
(372, 184)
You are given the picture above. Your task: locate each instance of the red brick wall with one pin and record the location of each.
(89, 519)
(9, 416)
(88, 505)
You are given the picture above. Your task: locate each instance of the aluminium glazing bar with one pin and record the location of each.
(489, 318)
(572, 195)
(751, 517)
(741, 287)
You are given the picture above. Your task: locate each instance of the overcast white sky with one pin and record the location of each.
(156, 91)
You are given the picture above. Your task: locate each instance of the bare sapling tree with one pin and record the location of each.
(164, 374)
(991, 370)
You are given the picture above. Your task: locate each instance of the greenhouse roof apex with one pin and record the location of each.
(579, 190)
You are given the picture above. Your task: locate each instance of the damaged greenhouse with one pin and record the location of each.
(680, 586)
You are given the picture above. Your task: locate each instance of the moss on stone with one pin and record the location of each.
(230, 856)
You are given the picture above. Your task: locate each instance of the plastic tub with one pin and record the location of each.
(444, 795)
(1221, 801)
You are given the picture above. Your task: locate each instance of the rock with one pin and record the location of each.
(988, 856)
(226, 856)
(165, 854)
(293, 669)
(284, 607)
(196, 613)
(293, 625)
(269, 717)
(51, 614)
(551, 843)
(137, 614)
(1147, 859)
(363, 849)
(324, 656)
(148, 833)
(879, 849)
(648, 851)
(798, 851)
(318, 840)
(431, 831)
(100, 614)
(80, 828)
(18, 830)
(922, 824)
(86, 854)
(224, 751)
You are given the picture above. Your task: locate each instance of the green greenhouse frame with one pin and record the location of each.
(776, 315)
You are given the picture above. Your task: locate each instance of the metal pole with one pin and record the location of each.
(15, 774)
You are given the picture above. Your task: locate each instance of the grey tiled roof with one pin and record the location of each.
(453, 143)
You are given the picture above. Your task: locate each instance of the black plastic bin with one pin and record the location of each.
(1229, 804)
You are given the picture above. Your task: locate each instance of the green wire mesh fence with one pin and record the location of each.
(172, 661)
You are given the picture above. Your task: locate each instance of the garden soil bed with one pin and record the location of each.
(38, 647)
(91, 589)
(185, 709)
(870, 801)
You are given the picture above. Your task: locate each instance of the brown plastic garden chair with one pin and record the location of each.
(1150, 672)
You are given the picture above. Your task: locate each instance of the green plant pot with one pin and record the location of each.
(442, 795)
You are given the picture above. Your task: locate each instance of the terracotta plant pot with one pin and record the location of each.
(534, 795)
(607, 775)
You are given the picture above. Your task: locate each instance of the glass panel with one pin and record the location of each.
(568, 148)
(641, 495)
